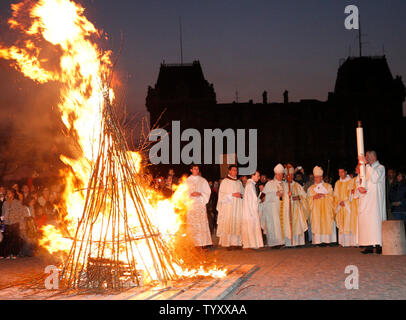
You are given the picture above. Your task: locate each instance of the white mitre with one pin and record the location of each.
(279, 169)
(317, 171)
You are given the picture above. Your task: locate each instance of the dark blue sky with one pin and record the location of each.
(249, 46)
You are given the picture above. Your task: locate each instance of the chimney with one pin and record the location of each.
(265, 97)
(286, 96)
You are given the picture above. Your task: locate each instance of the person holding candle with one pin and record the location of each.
(372, 205)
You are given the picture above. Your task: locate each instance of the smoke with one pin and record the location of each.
(31, 132)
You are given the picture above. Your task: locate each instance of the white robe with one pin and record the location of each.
(270, 220)
(372, 207)
(196, 219)
(251, 234)
(229, 213)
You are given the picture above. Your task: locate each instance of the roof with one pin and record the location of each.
(182, 80)
(363, 75)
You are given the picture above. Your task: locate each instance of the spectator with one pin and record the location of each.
(397, 197)
(26, 195)
(160, 185)
(391, 178)
(29, 233)
(212, 207)
(299, 178)
(32, 188)
(169, 182)
(2, 197)
(51, 208)
(19, 195)
(309, 182)
(300, 170)
(41, 218)
(44, 198)
(13, 214)
(171, 179)
(244, 180)
(390, 181)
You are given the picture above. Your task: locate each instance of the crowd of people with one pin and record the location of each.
(22, 213)
(292, 209)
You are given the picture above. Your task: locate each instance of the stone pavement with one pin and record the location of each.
(317, 273)
(302, 273)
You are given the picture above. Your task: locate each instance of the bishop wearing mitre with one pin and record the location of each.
(251, 233)
(272, 210)
(229, 207)
(345, 216)
(321, 202)
(196, 219)
(295, 210)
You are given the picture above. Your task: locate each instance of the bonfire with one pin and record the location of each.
(116, 230)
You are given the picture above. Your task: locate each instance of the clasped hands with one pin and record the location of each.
(318, 196)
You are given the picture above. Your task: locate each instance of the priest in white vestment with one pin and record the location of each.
(372, 205)
(272, 210)
(196, 219)
(251, 233)
(295, 210)
(229, 207)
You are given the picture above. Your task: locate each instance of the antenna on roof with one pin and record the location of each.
(180, 39)
(360, 36)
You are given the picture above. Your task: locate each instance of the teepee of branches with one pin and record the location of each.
(106, 248)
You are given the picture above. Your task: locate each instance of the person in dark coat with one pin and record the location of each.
(397, 196)
(212, 205)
